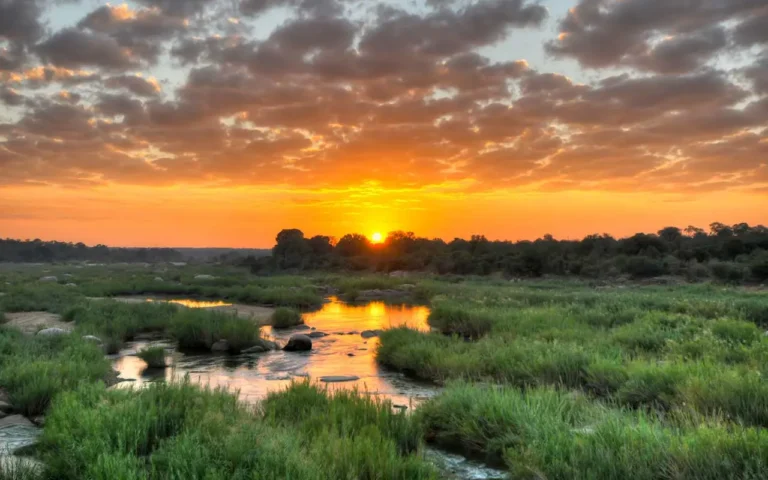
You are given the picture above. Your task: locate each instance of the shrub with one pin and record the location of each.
(735, 331)
(455, 320)
(644, 267)
(759, 267)
(284, 317)
(154, 357)
(728, 272)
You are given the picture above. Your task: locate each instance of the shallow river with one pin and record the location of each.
(342, 353)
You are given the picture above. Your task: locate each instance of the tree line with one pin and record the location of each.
(732, 253)
(39, 251)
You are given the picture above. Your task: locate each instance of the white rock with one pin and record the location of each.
(49, 279)
(52, 332)
(204, 277)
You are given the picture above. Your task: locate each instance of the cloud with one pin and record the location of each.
(71, 48)
(134, 84)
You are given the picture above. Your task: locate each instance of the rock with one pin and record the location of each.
(255, 349)
(220, 346)
(49, 279)
(159, 279)
(298, 343)
(204, 277)
(318, 335)
(71, 285)
(6, 407)
(39, 421)
(352, 333)
(52, 332)
(269, 345)
(67, 275)
(15, 420)
(302, 326)
(350, 354)
(92, 338)
(371, 333)
(400, 407)
(339, 378)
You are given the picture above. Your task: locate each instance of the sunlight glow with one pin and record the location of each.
(377, 238)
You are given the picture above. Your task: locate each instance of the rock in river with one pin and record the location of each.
(318, 335)
(339, 378)
(255, 349)
(370, 333)
(220, 346)
(298, 343)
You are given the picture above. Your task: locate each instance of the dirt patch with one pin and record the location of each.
(32, 322)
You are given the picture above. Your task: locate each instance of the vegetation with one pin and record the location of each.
(154, 357)
(726, 253)
(183, 431)
(31, 251)
(286, 317)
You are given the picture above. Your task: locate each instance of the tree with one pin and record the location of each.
(291, 248)
(353, 245)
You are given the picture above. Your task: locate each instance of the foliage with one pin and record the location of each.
(154, 357)
(284, 317)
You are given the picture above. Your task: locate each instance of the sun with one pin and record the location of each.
(377, 237)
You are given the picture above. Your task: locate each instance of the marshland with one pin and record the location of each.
(120, 373)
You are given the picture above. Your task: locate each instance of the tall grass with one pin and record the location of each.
(544, 433)
(284, 317)
(183, 431)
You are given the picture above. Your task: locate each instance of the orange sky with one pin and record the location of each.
(249, 217)
(219, 123)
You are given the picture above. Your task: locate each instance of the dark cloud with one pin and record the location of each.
(179, 8)
(19, 21)
(602, 33)
(683, 53)
(753, 30)
(11, 97)
(72, 48)
(135, 84)
(758, 75)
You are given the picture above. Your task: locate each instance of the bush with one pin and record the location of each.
(284, 317)
(735, 331)
(455, 320)
(728, 272)
(154, 357)
(759, 267)
(645, 267)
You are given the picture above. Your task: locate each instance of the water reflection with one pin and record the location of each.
(189, 303)
(344, 352)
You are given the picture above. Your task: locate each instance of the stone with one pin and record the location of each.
(92, 338)
(204, 277)
(298, 343)
(49, 279)
(6, 407)
(71, 285)
(255, 349)
(269, 345)
(52, 332)
(302, 326)
(15, 420)
(371, 333)
(39, 421)
(350, 354)
(339, 378)
(159, 279)
(220, 346)
(318, 335)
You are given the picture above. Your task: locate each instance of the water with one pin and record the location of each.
(343, 353)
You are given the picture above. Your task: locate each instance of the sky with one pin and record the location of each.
(221, 122)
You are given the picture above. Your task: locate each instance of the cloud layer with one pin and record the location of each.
(673, 94)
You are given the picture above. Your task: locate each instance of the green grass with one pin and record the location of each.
(154, 357)
(544, 433)
(284, 317)
(184, 431)
(33, 370)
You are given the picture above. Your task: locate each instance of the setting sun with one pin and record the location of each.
(377, 238)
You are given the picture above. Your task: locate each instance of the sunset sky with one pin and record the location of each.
(220, 122)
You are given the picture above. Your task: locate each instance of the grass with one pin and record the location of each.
(33, 370)
(184, 431)
(284, 317)
(154, 357)
(545, 433)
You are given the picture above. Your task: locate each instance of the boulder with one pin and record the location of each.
(49, 279)
(14, 420)
(298, 343)
(255, 349)
(220, 346)
(204, 277)
(318, 335)
(370, 333)
(339, 378)
(159, 279)
(52, 332)
(6, 407)
(92, 338)
(71, 285)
